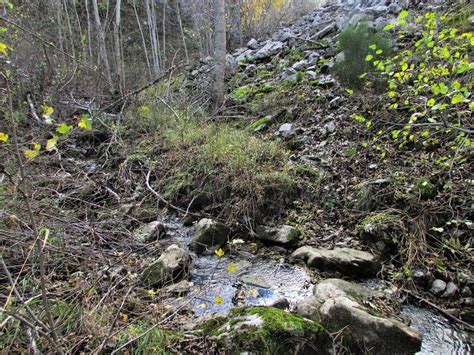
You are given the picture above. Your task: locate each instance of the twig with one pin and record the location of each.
(162, 199)
(32, 108)
(139, 90)
(440, 310)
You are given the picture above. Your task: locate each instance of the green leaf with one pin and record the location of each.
(379, 52)
(64, 129)
(350, 91)
(457, 99)
(395, 134)
(373, 47)
(31, 154)
(369, 57)
(431, 102)
(389, 27)
(85, 123)
(403, 14)
(359, 118)
(3, 137)
(51, 143)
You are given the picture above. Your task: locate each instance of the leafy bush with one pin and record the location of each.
(355, 42)
(430, 81)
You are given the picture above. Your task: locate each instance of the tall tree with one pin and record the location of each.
(101, 42)
(219, 52)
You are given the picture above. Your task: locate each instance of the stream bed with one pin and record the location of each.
(241, 278)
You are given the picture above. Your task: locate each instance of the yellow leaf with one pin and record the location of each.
(30, 154)
(124, 316)
(151, 293)
(219, 252)
(218, 300)
(3, 137)
(85, 123)
(3, 49)
(254, 293)
(232, 268)
(51, 143)
(47, 112)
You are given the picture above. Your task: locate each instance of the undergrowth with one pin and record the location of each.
(212, 166)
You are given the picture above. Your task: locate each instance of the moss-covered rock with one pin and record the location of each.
(209, 234)
(266, 330)
(383, 229)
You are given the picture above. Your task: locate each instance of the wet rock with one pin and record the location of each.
(209, 234)
(254, 280)
(346, 261)
(250, 330)
(270, 49)
(284, 235)
(339, 306)
(437, 287)
(286, 130)
(422, 277)
(150, 232)
(281, 303)
(180, 288)
(451, 290)
(171, 266)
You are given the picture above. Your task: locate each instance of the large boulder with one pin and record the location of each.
(284, 235)
(349, 262)
(339, 306)
(266, 330)
(210, 234)
(171, 266)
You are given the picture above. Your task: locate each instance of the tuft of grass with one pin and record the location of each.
(156, 341)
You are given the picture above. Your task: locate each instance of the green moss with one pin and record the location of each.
(261, 123)
(424, 188)
(241, 93)
(350, 152)
(264, 73)
(382, 226)
(263, 329)
(156, 341)
(266, 88)
(308, 171)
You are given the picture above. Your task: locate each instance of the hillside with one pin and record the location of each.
(326, 207)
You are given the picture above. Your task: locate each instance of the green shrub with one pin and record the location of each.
(355, 43)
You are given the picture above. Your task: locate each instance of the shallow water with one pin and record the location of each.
(439, 335)
(276, 280)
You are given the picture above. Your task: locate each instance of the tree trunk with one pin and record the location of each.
(101, 42)
(143, 40)
(118, 50)
(183, 37)
(219, 53)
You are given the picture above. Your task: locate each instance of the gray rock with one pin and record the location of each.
(422, 278)
(252, 44)
(171, 266)
(209, 234)
(312, 74)
(377, 10)
(270, 49)
(451, 290)
(302, 64)
(339, 306)
(180, 288)
(466, 292)
(254, 280)
(346, 261)
(150, 232)
(231, 66)
(284, 235)
(286, 130)
(281, 303)
(437, 287)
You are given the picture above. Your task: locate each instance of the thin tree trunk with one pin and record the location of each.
(219, 53)
(69, 27)
(118, 51)
(183, 37)
(143, 40)
(164, 34)
(89, 39)
(101, 42)
(60, 27)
